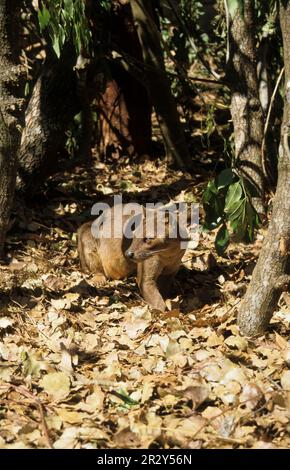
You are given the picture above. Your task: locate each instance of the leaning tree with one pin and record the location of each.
(10, 107)
(246, 109)
(272, 273)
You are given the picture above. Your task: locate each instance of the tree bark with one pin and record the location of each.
(51, 108)
(158, 84)
(11, 91)
(124, 117)
(124, 107)
(246, 108)
(272, 273)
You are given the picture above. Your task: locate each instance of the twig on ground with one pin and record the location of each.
(23, 391)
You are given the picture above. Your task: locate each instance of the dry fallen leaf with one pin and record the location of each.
(285, 379)
(56, 384)
(106, 369)
(251, 395)
(5, 322)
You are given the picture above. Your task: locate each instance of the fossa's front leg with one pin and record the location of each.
(148, 272)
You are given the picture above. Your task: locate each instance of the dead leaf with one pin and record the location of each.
(56, 384)
(251, 395)
(5, 322)
(285, 380)
(71, 417)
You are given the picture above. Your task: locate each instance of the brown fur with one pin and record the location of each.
(156, 259)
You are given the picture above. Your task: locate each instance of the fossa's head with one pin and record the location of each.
(154, 232)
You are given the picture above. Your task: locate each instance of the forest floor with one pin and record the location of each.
(87, 367)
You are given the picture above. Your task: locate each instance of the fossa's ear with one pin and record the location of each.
(176, 223)
(132, 224)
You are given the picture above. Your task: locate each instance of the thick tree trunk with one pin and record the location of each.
(124, 107)
(158, 84)
(10, 108)
(272, 273)
(246, 108)
(125, 117)
(50, 110)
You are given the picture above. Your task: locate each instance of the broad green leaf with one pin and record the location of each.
(236, 209)
(239, 225)
(234, 194)
(225, 178)
(222, 240)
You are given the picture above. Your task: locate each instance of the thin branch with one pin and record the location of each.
(268, 119)
(191, 41)
(181, 69)
(127, 60)
(20, 389)
(228, 30)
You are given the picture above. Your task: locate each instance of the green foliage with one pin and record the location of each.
(105, 4)
(188, 33)
(194, 36)
(128, 401)
(227, 204)
(64, 19)
(234, 6)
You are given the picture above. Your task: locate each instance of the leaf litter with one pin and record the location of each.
(88, 367)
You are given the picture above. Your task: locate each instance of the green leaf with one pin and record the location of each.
(43, 18)
(236, 210)
(222, 240)
(241, 229)
(225, 178)
(126, 398)
(69, 7)
(27, 89)
(234, 194)
(250, 188)
(239, 225)
(234, 6)
(210, 192)
(56, 46)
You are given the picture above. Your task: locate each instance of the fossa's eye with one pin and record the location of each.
(148, 239)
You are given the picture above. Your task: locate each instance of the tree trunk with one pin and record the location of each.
(50, 110)
(246, 108)
(124, 107)
(158, 84)
(272, 273)
(124, 117)
(10, 107)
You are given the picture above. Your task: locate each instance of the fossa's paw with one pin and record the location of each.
(98, 280)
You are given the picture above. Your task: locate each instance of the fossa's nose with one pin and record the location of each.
(129, 254)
